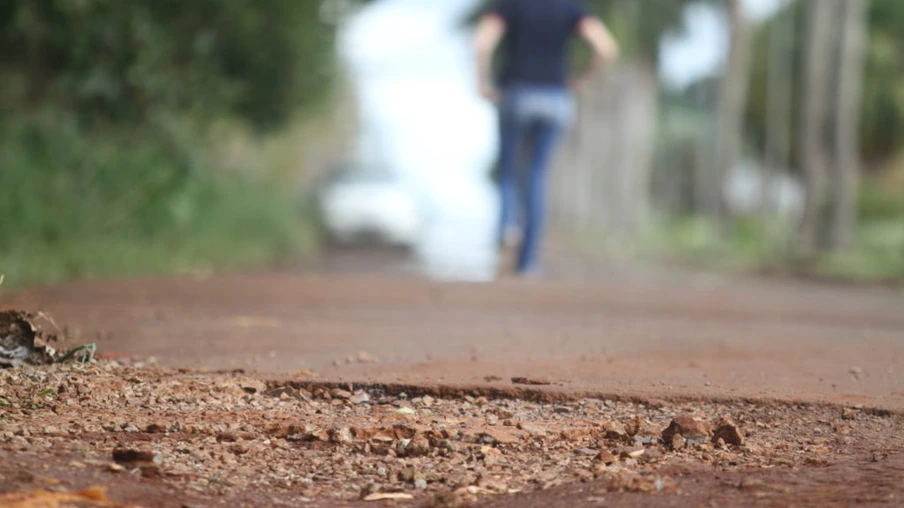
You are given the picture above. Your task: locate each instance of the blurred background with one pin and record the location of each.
(186, 136)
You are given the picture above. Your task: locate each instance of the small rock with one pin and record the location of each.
(614, 430)
(238, 449)
(728, 432)
(576, 434)
(848, 414)
(459, 479)
(490, 456)
(530, 381)
(751, 449)
(340, 435)
(116, 468)
(492, 484)
(590, 452)
(652, 455)
(133, 456)
(417, 447)
(388, 496)
(656, 404)
(370, 488)
(252, 386)
(156, 428)
(492, 420)
(382, 439)
(339, 393)
(878, 456)
(532, 430)
(227, 437)
(359, 398)
(678, 442)
(427, 401)
(856, 372)
(409, 474)
(644, 440)
(843, 429)
(498, 436)
(503, 413)
(631, 453)
(481, 401)
(635, 426)
(365, 357)
(420, 484)
(607, 458)
(688, 427)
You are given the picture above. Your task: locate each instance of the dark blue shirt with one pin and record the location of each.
(538, 32)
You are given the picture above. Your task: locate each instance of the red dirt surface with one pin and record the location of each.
(731, 339)
(673, 342)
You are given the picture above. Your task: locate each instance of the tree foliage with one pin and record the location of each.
(121, 61)
(882, 107)
(108, 159)
(641, 24)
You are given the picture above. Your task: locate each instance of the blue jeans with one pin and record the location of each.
(531, 119)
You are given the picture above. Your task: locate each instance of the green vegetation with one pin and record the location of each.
(110, 162)
(882, 103)
(752, 247)
(161, 136)
(754, 243)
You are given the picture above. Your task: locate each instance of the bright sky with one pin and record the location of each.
(701, 49)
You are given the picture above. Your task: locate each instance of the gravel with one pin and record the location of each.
(215, 435)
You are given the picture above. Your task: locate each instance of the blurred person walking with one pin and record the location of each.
(534, 96)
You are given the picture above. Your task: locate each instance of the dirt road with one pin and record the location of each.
(662, 343)
(619, 333)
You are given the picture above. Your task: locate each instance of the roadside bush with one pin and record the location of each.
(108, 164)
(129, 202)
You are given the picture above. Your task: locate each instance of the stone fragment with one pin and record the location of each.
(727, 431)
(689, 428)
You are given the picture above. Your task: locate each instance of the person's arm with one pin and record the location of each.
(603, 47)
(489, 32)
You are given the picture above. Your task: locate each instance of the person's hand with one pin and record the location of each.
(490, 93)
